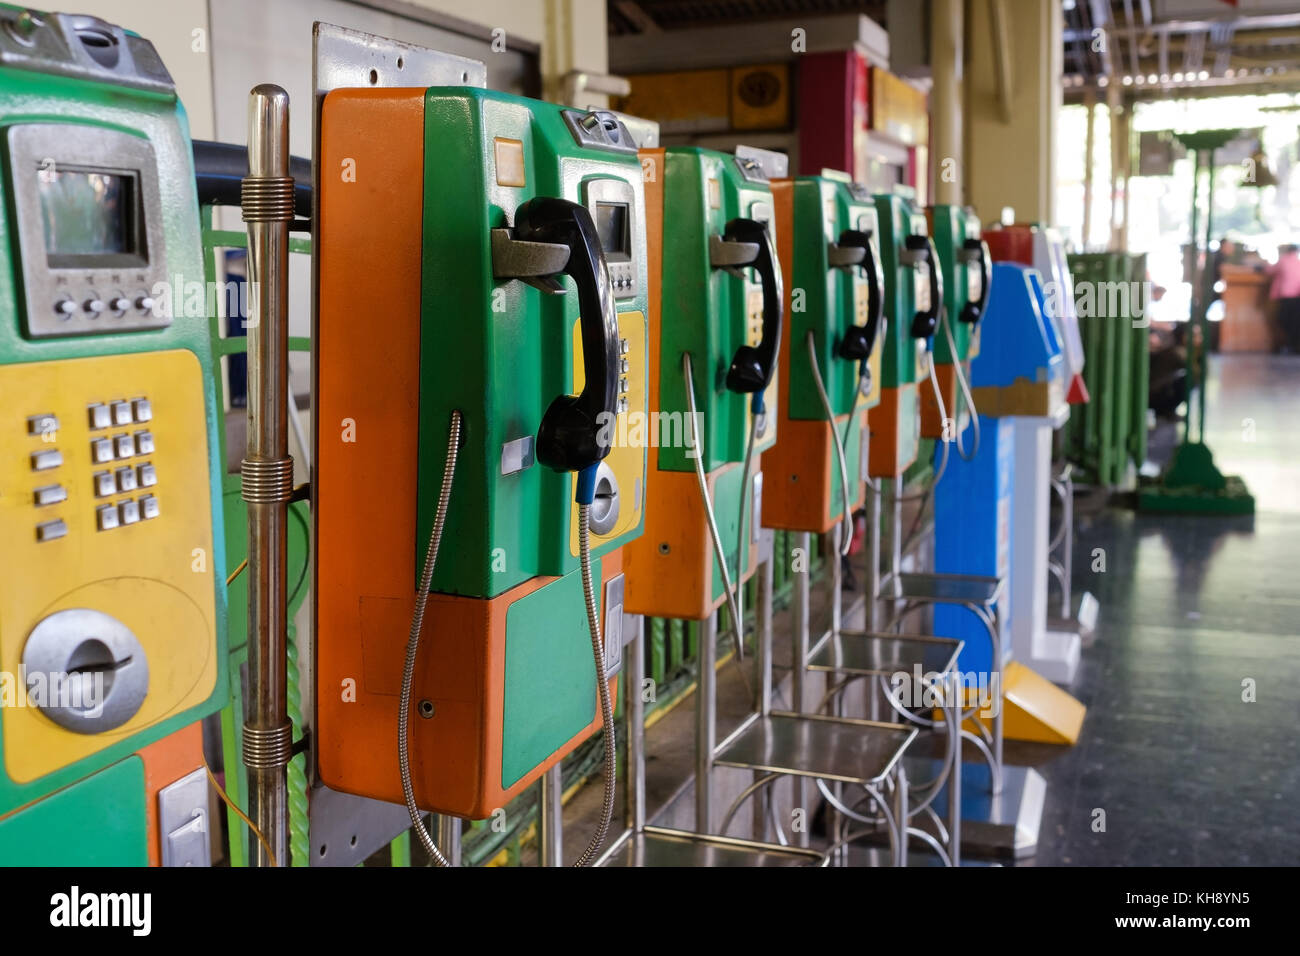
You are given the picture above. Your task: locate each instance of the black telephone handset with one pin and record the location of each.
(978, 248)
(859, 340)
(573, 434)
(752, 366)
(926, 321)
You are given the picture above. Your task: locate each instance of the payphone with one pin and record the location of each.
(480, 358)
(715, 328)
(913, 283)
(827, 241)
(968, 277)
(112, 608)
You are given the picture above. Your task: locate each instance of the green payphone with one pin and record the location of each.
(715, 328)
(827, 228)
(112, 607)
(913, 284)
(486, 411)
(968, 273)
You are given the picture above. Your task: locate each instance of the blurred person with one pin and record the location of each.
(1284, 297)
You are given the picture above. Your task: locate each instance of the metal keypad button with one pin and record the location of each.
(126, 479)
(149, 506)
(101, 450)
(44, 460)
(49, 530)
(144, 443)
(143, 410)
(104, 484)
(148, 476)
(42, 424)
(100, 415)
(50, 495)
(130, 512)
(121, 413)
(106, 516)
(125, 447)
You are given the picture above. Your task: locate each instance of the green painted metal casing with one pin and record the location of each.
(99, 821)
(906, 290)
(28, 96)
(707, 311)
(500, 350)
(951, 226)
(825, 299)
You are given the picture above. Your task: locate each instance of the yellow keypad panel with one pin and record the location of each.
(105, 505)
(754, 335)
(632, 429)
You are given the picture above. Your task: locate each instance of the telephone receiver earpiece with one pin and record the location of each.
(573, 434)
(752, 365)
(859, 340)
(978, 249)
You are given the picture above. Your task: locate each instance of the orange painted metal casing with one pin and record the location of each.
(797, 469)
(886, 459)
(367, 365)
(677, 582)
(931, 420)
(166, 761)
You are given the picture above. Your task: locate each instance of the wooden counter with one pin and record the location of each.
(1246, 326)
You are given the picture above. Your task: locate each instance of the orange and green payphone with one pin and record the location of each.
(112, 610)
(830, 367)
(481, 364)
(913, 294)
(968, 275)
(715, 328)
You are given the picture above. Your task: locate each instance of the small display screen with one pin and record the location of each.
(87, 215)
(611, 229)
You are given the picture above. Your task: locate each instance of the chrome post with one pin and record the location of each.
(449, 838)
(954, 775)
(873, 584)
(799, 649)
(634, 714)
(900, 812)
(763, 640)
(267, 469)
(895, 544)
(834, 819)
(706, 730)
(550, 839)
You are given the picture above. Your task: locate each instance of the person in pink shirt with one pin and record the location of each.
(1284, 294)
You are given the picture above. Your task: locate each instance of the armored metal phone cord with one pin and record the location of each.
(413, 642)
(965, 389)
(943, 442)
(718, 550)
(602, 681)
(846, 538)
(742, 552)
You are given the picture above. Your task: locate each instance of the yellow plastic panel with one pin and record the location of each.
(155, 576)
(632, 435)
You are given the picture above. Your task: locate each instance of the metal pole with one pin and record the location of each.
(551, 816)
(706, 723)
(449, 838)
(955, 701)
(799, 655)
(1194, 275)
(267, 469)
(763, 640)
(1089, 151)
(1202, 311)
(634, 709)
(947, 75)
(895, 544)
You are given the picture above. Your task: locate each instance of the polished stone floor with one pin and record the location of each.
(1196, 612)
